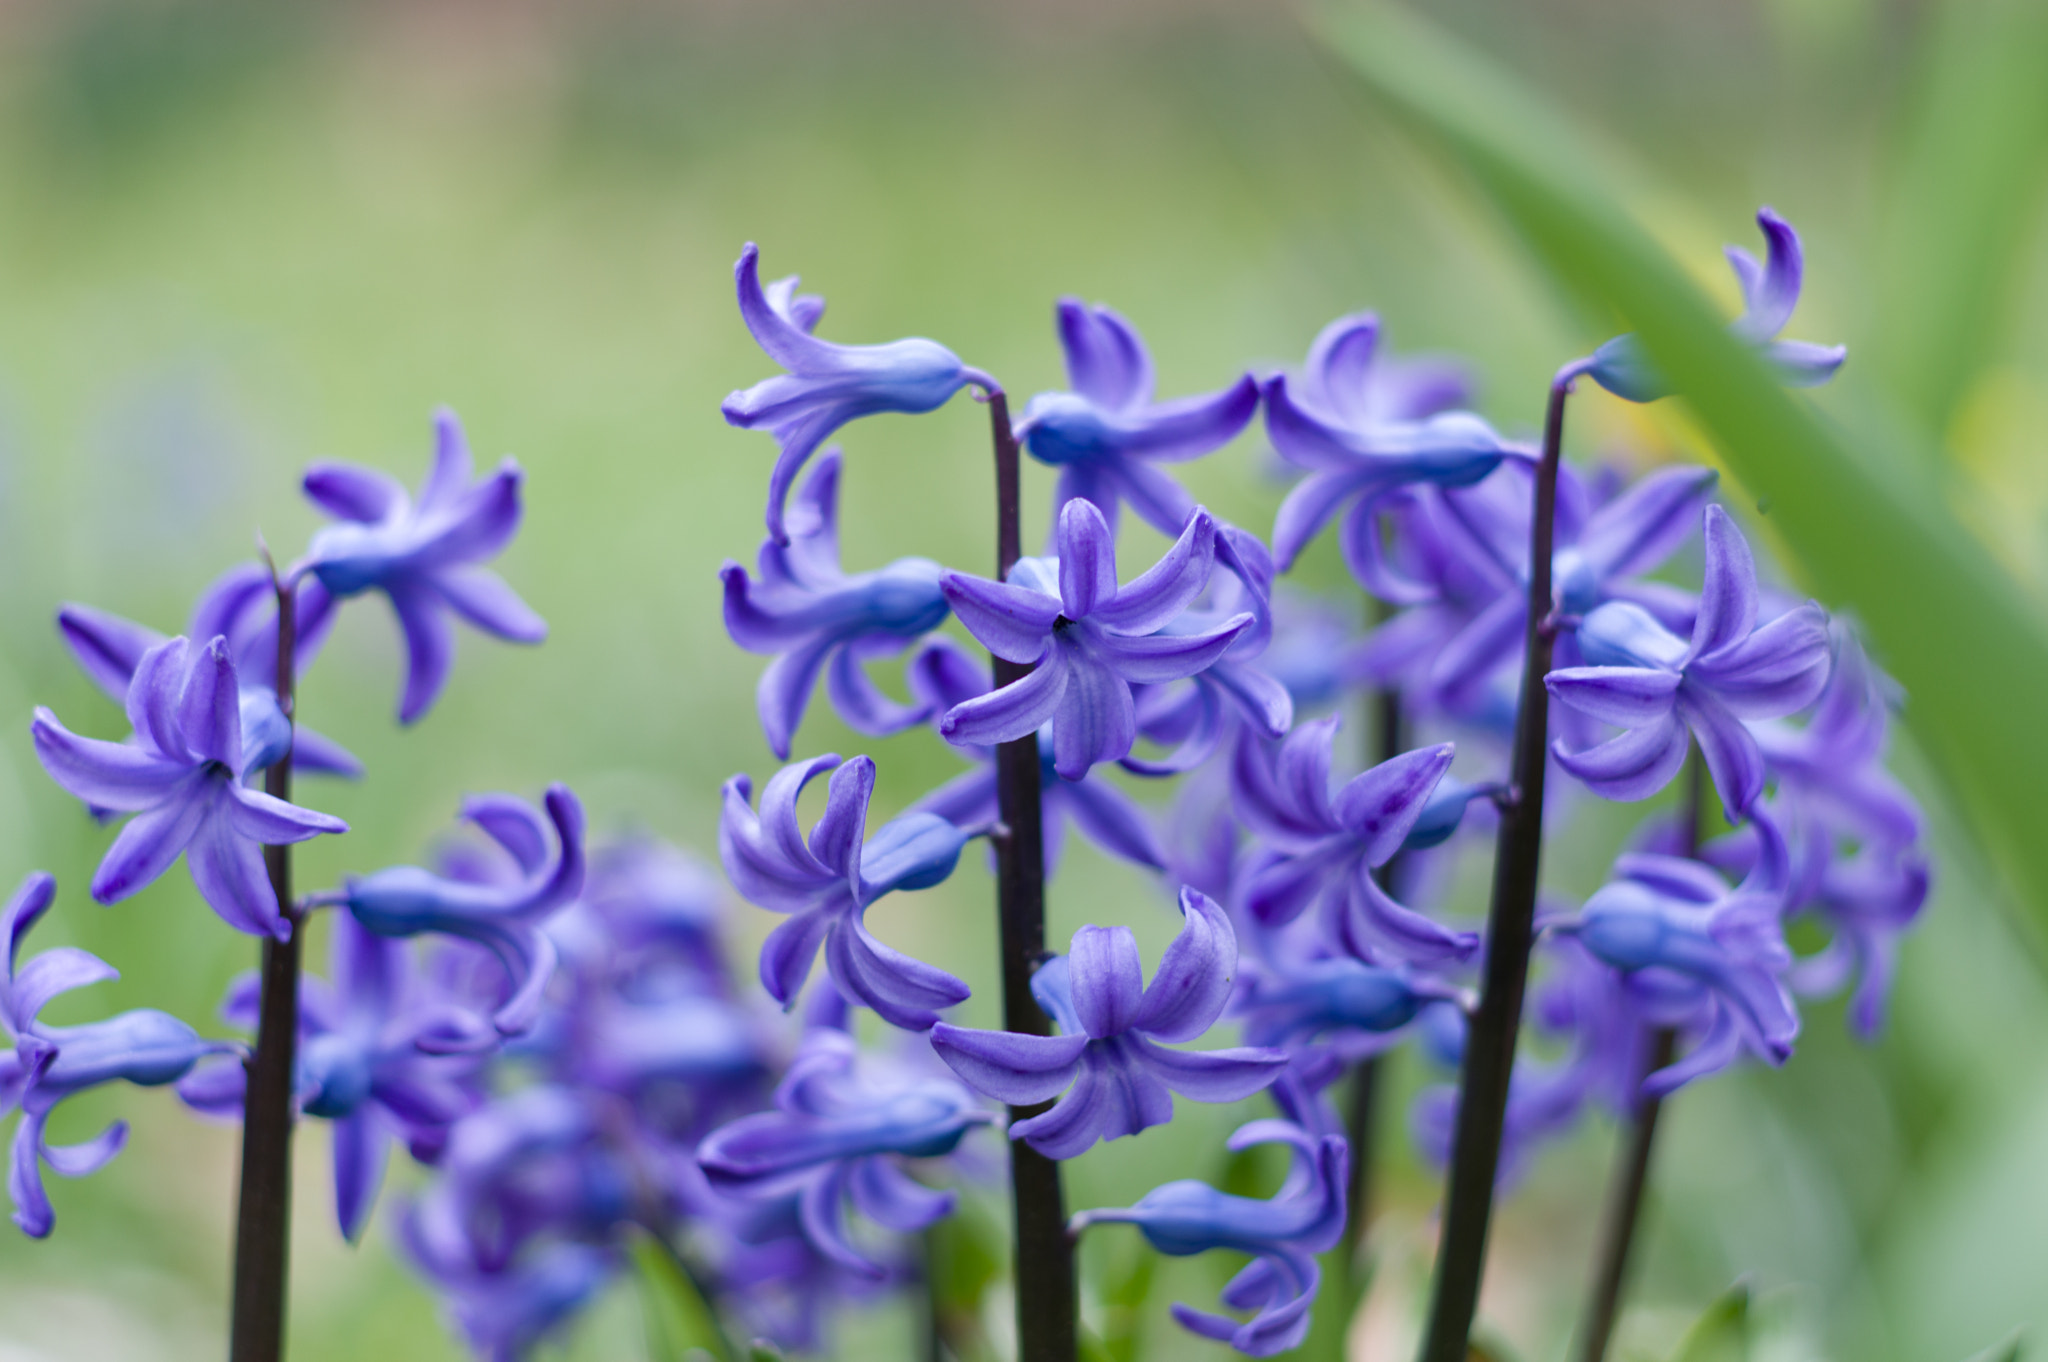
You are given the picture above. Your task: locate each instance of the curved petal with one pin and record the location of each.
(1107, 979)
(1113, 821)
(1379, 808)
(146, 847)
(1639, 529)
(1094, 720)
(1011, 1067)
(1087, 558)
(1625, 696)
(228, 869)
(894, 1200)
(1013, 622)
(1733, 758)
(903, 991)
(106, 775)
(1156, 596)
(1633, 766)
(429, 646)
(349, 491)
(269, 820)
(361, 1146)
(1195, 977)
(108, 648)
(1158, 658)
(787, 954)
(482, 597)
(1213, 1075)
(1728, 595)
(1106, 361)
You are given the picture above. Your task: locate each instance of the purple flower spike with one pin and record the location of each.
(50, 1063)
(1106, 434)
(826, 883)
(1359, 438)
(837, 1134)
(815, 619)
(1090, 637)
(424, 556)
(1111, 1025)
(1650, 682)
(1321, 849)
(1283, 1235)
(405, 900)
(1769, 293)
(827, 385)
(181, 775)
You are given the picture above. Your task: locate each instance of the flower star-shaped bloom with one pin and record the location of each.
(827, 385)
(50, 1063)
(1657, 685)
(1283, 1235)
(1106, 433)
(827, 883)
(504, 919)
(838, 1132)
(1112, 1024)
(1090, 638)
(181, 776)
(1769, 293)
(815, 618)
(424, 556)
(1360, 436)
(1321, 849)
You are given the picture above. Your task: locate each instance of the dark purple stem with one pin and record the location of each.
(264, 1214)
(1518, 854)
(1046, 1316)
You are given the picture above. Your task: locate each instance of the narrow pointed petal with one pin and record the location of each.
(1087, 557)
(1106, 361)
(1159, 594)
(1013, 622)
(1639, 529)
(1009, 713)
(1009, 1066)
(228, 869)
(146, 847)
(1094, 721)
(1733, 758)
(1728, 595)
(1633, 766)
(1158, 658)
(1213, 1075)
(482, 597)
(108, 648)
(1625, 696)
(429, 646)
(350, 492)
(271, 821)
(361, 1146)
(1108, 979)
(1380, 807)
(1196, 975)
(106, 775)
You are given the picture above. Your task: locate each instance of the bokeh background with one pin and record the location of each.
(236, 237)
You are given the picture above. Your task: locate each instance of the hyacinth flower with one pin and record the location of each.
(504, 919)
(181, 775)
(1676, 920)
(360, 1064)
(1769, 293)
(1356, 1008)
(1658, 687)
(51, 1063)
(827, 883)
(1359, 439)
(1110, 1059)
(504, 1315)
(827, 385)
(1106, 433)
(1283, 1234)
(424, 555)
(1090, 638)
(837, 1133)
(1319, 849)
(816, 620)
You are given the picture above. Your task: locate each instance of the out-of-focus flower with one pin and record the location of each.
(1283, 1234)
(827, 884)
(1769, 293)
(814, 619)
(1111, 1025)
(827, 385)
(425, 556)
(1656, 685)
(50, 1063)
(1090, 637)
(181, 776)
(504, 1314)
(1357, 1008)
(1106, 434)
(1830, 770)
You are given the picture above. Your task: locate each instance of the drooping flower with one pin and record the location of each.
(1769, 293)
(1090, 637)
(827, 385)
(425, 556)
(1106, 434)
(1360, 437)
(814, 618)
(838, 1132)
(827, 884)
(1111, 1027)
(1283, 1234)
(1321, 849)
(1647, 680)
(51, 1063)
(504, 919)
(181, 776)
(1357, 1008)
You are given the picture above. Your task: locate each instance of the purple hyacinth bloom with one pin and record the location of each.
(51, 1063)
(504, 919)
(505, 1314)
(1647, 680)
(827, 385)
(813, 618)
(837, 1133)
(1357, 1008)
(1090, 637)
(1360, 436)
(1283, 1234)
(1111, 1028)
(1321, 849)
(425, 556)
(827, 883)
(181, 776)
(1106, 434)
(1769, 293)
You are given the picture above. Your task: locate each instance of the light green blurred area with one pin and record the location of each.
(235, 238)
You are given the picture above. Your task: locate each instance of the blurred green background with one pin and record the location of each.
(236, 237)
